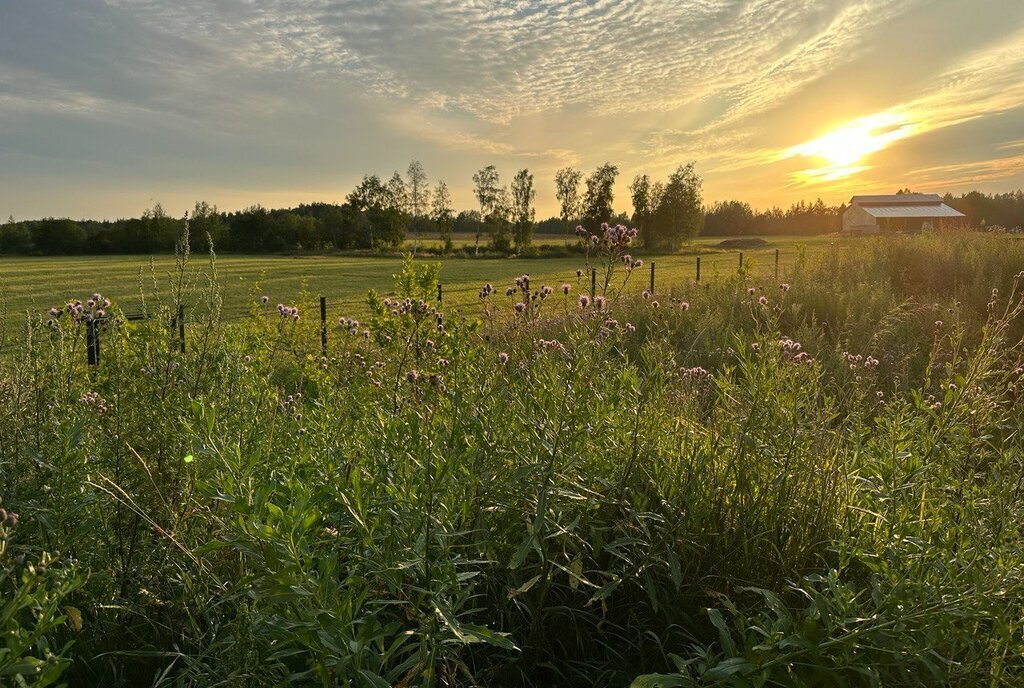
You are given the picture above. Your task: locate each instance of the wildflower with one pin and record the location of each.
(763, 301)
(520, 307)
(599, 302)
(503, 358)
(8, 519)
(54, 313)
(639, 263)
(630, 327)
(756, 346)
(546, 291)
(584, 301)
(654, 304)
(247, 359)
(565, 289)
(684, 306)
(265, 299)
(579, 273)
(510, 291)
(412, 375)
(646, 293)
(938, 324)
(750, 291)
(784, 287)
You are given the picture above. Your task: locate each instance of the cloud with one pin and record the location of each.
(286, 93)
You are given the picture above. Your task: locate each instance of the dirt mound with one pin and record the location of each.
(746, 242)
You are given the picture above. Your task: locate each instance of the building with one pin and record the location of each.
(898, 213)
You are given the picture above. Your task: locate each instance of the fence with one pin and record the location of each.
(94, 328)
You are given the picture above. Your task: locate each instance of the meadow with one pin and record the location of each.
(34, 284)
(809, 481)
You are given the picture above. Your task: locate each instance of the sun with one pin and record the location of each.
(844, 147)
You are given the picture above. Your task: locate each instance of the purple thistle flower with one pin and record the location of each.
(566, 288)
(503, 358)
(584, 301)
(265, 299)
(598, 302)
(685, 306)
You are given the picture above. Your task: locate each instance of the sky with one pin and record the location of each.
(108, 106)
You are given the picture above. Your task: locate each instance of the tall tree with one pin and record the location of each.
(679, 215)
(597, 202)
(567, 191)
(398, 195)
(442, 214)
(640, 193)
(419, 196)
(523, 195)
(205, 227)
(485, 188)
(499, 220)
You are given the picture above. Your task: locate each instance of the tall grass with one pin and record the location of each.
(742, 483)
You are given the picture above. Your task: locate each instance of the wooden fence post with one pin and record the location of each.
(698, 269)
(439, 293)
(741, 260)
(776, 263)
(323, 325)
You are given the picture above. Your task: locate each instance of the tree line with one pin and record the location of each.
(381, 214)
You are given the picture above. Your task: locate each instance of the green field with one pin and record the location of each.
(36, 284)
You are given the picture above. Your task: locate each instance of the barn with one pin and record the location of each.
(898, 213)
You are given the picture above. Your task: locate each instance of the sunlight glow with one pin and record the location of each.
(844, 147)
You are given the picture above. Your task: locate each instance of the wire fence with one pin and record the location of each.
(331, 307)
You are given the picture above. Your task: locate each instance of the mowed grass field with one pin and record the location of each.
(32, 285)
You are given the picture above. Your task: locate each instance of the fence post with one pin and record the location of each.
(698, 268)
(593, 282)
(439, 292)
(652, 277)
(776, 263)
(92, 343)
(181, 327)
(741, 260)
(323, 325)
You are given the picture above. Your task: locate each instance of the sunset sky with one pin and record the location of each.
(107, 107)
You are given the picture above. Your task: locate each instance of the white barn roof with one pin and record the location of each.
(940, 210)
(898, 199)
(904, 205)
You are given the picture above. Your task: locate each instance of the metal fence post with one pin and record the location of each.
(439, 293)
(92, 343)
(652, 277)
(323, 325)
(698, 268)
